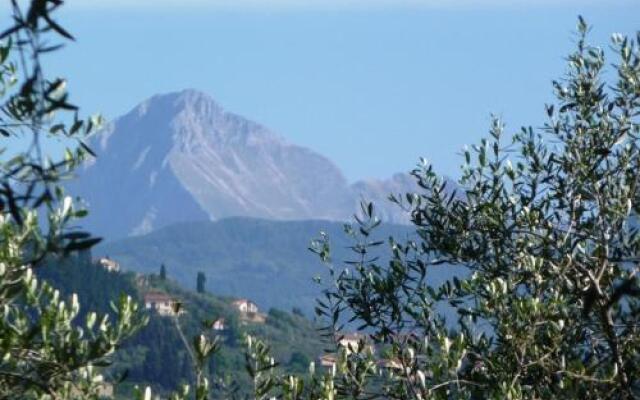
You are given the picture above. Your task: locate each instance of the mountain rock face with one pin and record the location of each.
(377, 191)
(181, 157)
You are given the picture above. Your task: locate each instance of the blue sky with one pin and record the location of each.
(373, 85)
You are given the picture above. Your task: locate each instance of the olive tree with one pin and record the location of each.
(45, 352)
(542, 233)
(544, 224)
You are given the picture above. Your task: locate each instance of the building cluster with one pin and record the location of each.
(248, 311)
(350, 343)
(109, 264)
(163, 304)
(245, 306)
(167, 305)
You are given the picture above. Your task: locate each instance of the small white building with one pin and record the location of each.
(109, 264)
(105, 391)
(351, 342)
(245, 306)
(328, 360)
(164, 304)
(218, 325)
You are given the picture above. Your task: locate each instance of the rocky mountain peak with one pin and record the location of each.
(180, 157)
(187, 100)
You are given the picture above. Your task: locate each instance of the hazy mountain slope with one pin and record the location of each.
(180, 157)
(379, 190)
(267, 261)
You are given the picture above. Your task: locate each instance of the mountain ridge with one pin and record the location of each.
(180, 157)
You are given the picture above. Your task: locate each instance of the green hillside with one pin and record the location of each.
(156, 355)
(267, 261)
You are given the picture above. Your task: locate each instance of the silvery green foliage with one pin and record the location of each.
(550, 305)
(45, 352)
(545, 231)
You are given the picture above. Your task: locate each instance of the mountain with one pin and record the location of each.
(378, 191)
(181, 157)
(264, 260)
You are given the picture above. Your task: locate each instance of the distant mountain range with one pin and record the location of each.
(180, 157)
(181, 182)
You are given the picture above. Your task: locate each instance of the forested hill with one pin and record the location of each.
(264, 260)
(156, 355)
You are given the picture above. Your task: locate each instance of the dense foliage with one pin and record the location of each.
(45, 350)
(544, 224)
(156, 356)
(94, 286)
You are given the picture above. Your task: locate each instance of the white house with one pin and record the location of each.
(218, 325)
(164, 304)
(245, 306)
(249, 312)
(109, 264)
(351, 342)
(328, 360)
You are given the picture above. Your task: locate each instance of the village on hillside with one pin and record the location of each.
(165, 304)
